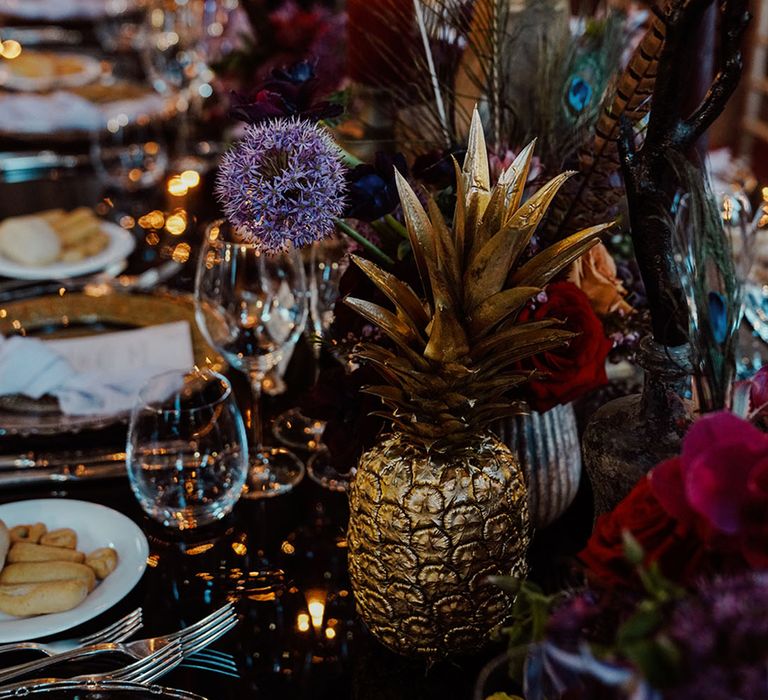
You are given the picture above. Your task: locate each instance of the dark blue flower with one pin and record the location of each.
(436, 168)
(371, 189)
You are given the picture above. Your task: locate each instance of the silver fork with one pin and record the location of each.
(192, 639)
(118, 631)
(146, 670)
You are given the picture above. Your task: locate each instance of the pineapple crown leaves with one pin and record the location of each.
(457, 351)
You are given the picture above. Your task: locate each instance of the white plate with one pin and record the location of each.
(96, 526)
(90, 70)
(120, 246)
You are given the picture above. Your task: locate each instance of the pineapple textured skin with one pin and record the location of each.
(426, 530)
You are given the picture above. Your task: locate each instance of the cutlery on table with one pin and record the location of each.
(61, 474)
(118, 631)
(69, 686)
(98, 283)
(146, 670)
(71, 458)
(192, 640)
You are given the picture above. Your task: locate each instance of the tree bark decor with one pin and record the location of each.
(649, 178)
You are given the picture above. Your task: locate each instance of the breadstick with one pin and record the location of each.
(103, 561)
(5, 542)
(23, 551)
(28, 533)
(39, 571)
(63, 537)
(23, 599)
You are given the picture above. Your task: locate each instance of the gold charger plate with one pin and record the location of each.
(77, 315)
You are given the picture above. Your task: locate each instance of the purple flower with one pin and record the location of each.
(722, 635)
(288, 92)
(283, 184)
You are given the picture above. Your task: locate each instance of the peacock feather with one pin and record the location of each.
(710, 280)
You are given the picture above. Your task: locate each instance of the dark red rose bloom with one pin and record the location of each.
(573, 370)
(675, 548)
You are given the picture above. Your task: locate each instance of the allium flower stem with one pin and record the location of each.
(363, 241)
(396, 226)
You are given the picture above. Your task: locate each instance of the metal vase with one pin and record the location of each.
(547, 446)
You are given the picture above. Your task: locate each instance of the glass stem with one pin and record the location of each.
(257, 433)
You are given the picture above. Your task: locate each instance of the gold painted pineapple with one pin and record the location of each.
(440, 504)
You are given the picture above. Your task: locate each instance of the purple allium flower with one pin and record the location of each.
(283, 184)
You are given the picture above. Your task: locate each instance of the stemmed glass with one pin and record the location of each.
(187, 453)
(179, 34)
(251, 306)
(325, 262)
(129, 156)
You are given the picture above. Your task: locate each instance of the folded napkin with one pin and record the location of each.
(95, 375)
(64, 9)
(28, 113)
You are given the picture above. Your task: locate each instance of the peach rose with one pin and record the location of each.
(595, 274)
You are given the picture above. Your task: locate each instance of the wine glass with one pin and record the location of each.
(325, 263)
(129, 155)
(187, 451)
(178, 36)
(251, 306)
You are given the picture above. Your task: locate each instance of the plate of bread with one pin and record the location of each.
(43, 70)
(63, 563)
(56, 244)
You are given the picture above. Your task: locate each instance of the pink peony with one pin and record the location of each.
(720, 485)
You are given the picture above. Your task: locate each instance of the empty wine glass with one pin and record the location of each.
(251, 306)
(129, 155)
(325, 263)
(179, 34)
(187, 452)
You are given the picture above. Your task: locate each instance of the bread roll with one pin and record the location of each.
(103, 561)
(63, 537)
(5, 542)
(38, 571)
(28, 533)
(29, 240)
(23, 551)
(24, 599)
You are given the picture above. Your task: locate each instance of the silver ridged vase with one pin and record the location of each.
(547, 445)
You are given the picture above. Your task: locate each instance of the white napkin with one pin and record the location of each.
(58, 111)
(96, 375)
(30, 113)
(64, 9)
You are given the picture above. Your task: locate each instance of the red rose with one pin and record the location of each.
(577, 368)
(676, 549)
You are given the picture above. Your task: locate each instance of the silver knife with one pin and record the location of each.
(34, 461)
(59, 475)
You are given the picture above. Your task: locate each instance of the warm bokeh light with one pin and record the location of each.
(10, 49)
(237, 547)
(176, 186)
(151, 148)
(176, 223)
(191, 178)
(287, 548)
(154, 219)
(181, 255)
(127, 222)
(213, 233)
(316, 607)
(330, 633)
(302, 622)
